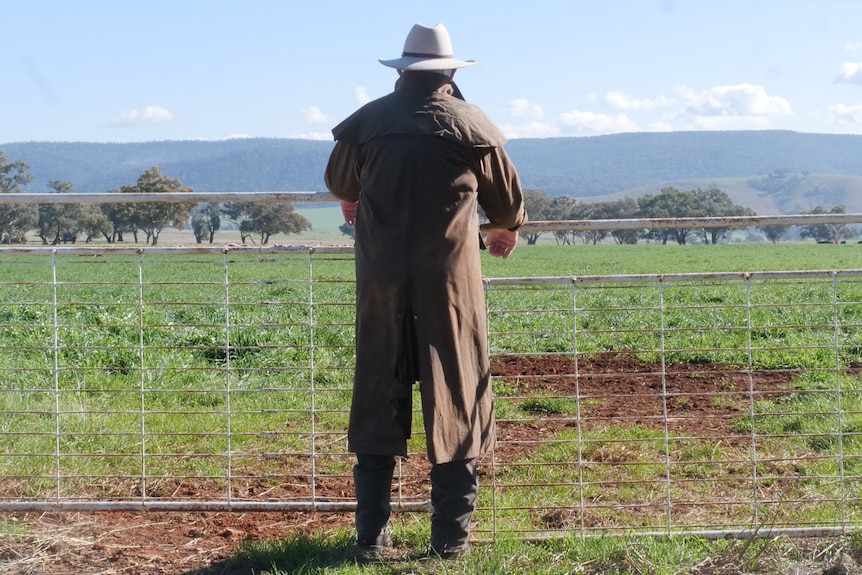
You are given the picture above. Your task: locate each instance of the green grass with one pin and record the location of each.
(108, 388)
(587, 260)
(335, 554)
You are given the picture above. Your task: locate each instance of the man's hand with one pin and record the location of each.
(501, 243)
(349, 211)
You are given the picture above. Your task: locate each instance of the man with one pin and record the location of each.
(410, 169)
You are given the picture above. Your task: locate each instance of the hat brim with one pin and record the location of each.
(426, 64)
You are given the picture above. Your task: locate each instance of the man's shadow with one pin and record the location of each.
(304, 553)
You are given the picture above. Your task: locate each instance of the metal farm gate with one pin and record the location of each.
(199, 378)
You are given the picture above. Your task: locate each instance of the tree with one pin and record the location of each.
(826, 233)
(591, 211)
(774, 233)
(206, 221)
(152, 218)
(122, 220)
(95, 223)
(538, 205)
(562, 208)
(15, 219)
(265, 219)
(60, 222)
(670, 203)
(624, 209)
(715, 203)
(13, 175)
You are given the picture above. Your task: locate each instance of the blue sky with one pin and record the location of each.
(136, 70)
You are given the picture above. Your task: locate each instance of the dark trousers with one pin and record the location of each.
(454, 488)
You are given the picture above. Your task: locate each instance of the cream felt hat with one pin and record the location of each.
(427, 49)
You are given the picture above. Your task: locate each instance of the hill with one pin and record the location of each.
(769, 171)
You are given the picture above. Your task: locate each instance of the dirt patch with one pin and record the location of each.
(700, 399)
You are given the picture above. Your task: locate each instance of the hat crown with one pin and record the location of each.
(428, 42)
(427, 48)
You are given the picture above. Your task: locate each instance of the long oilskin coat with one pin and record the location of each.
(419, 160)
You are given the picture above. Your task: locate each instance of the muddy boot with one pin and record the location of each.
(454, 488)
(372, 478)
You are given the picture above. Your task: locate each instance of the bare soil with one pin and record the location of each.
(619, 388)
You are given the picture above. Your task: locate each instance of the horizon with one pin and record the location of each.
(315, 140)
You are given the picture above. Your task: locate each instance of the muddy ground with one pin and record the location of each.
(619, 389)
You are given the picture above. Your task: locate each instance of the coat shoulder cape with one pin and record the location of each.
(411, 111)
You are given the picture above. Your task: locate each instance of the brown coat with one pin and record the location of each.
(419, 160)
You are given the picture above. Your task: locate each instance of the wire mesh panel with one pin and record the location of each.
(695, 403)
(221, 379)
(161, 378)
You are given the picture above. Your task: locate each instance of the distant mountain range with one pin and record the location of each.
(772, 172)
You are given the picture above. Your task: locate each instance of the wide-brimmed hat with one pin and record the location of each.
(427, 49)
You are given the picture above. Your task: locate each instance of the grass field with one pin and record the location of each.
(117, 354)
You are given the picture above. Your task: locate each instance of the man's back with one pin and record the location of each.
(411, 169)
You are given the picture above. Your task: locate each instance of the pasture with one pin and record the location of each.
(688, 406)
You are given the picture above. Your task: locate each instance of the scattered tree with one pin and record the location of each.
(774, 233)
(122, 220)
(670, 203)
(347, 230)
(538, 205)
(152, 218)
(13, 175)
(15, 219)
(265, 219)
(563, 208)
(826, 233)
(206, 221)
(95, 223)
(716, 203)
(61, 222)
(625, 209)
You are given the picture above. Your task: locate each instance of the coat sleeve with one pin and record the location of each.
(499, 189)
(342, 172)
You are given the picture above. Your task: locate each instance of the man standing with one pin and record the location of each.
(410, 169)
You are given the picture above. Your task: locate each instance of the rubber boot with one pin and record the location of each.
(372, 479)
(454, 489)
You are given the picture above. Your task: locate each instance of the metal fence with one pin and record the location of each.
(219, 378)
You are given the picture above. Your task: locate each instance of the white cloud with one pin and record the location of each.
(522, 108)
(852, 46)
(730, 107)
(149, 115)
(850, 73)
(314, 115)
(590, 123)
(843, 114)
(660, 127)
(739, 101)
(625, 102)
(530, 130)
(360, 95)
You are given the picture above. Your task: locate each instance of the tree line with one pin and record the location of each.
(669, 203)
(115, 222)
(60, 223)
